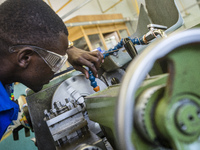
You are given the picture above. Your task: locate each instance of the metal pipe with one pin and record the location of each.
(97, 22)
(75, 9)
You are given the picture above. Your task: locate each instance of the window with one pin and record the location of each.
(96, 41)
(111, 39)
(81, 43)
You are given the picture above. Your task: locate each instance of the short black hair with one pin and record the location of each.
(28, 22)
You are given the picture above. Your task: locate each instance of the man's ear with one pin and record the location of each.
(24, 57)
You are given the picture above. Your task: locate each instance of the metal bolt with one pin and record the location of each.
(67, 100)
(45, 111)
(58, 105)
(69, 106)
(80, 100)
(47, 114)
(53, 111)
(73, 79)
(116, 54)
(74, 103)
(64, 139)
(58, 143)
(114, 81)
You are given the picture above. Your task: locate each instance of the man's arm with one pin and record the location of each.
(79, 58)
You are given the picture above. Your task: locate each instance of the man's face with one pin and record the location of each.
(39, 72)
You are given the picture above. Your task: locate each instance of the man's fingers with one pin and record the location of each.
(97, 54)
(96, 58)
(79, 58)
(92, 67)
(89, 64)
(83, 70)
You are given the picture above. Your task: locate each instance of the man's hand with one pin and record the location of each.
(79, 58)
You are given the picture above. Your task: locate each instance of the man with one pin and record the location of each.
(33, 46)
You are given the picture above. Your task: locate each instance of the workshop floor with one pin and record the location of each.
(23, 143)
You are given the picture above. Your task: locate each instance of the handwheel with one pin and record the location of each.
(177, 115)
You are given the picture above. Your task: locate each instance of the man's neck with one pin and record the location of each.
(6, 72)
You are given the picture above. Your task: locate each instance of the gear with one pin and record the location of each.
(144, 113)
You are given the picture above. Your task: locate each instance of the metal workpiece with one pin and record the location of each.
(181, 51)
(75, 88)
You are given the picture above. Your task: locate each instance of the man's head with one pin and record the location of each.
(29, 22)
